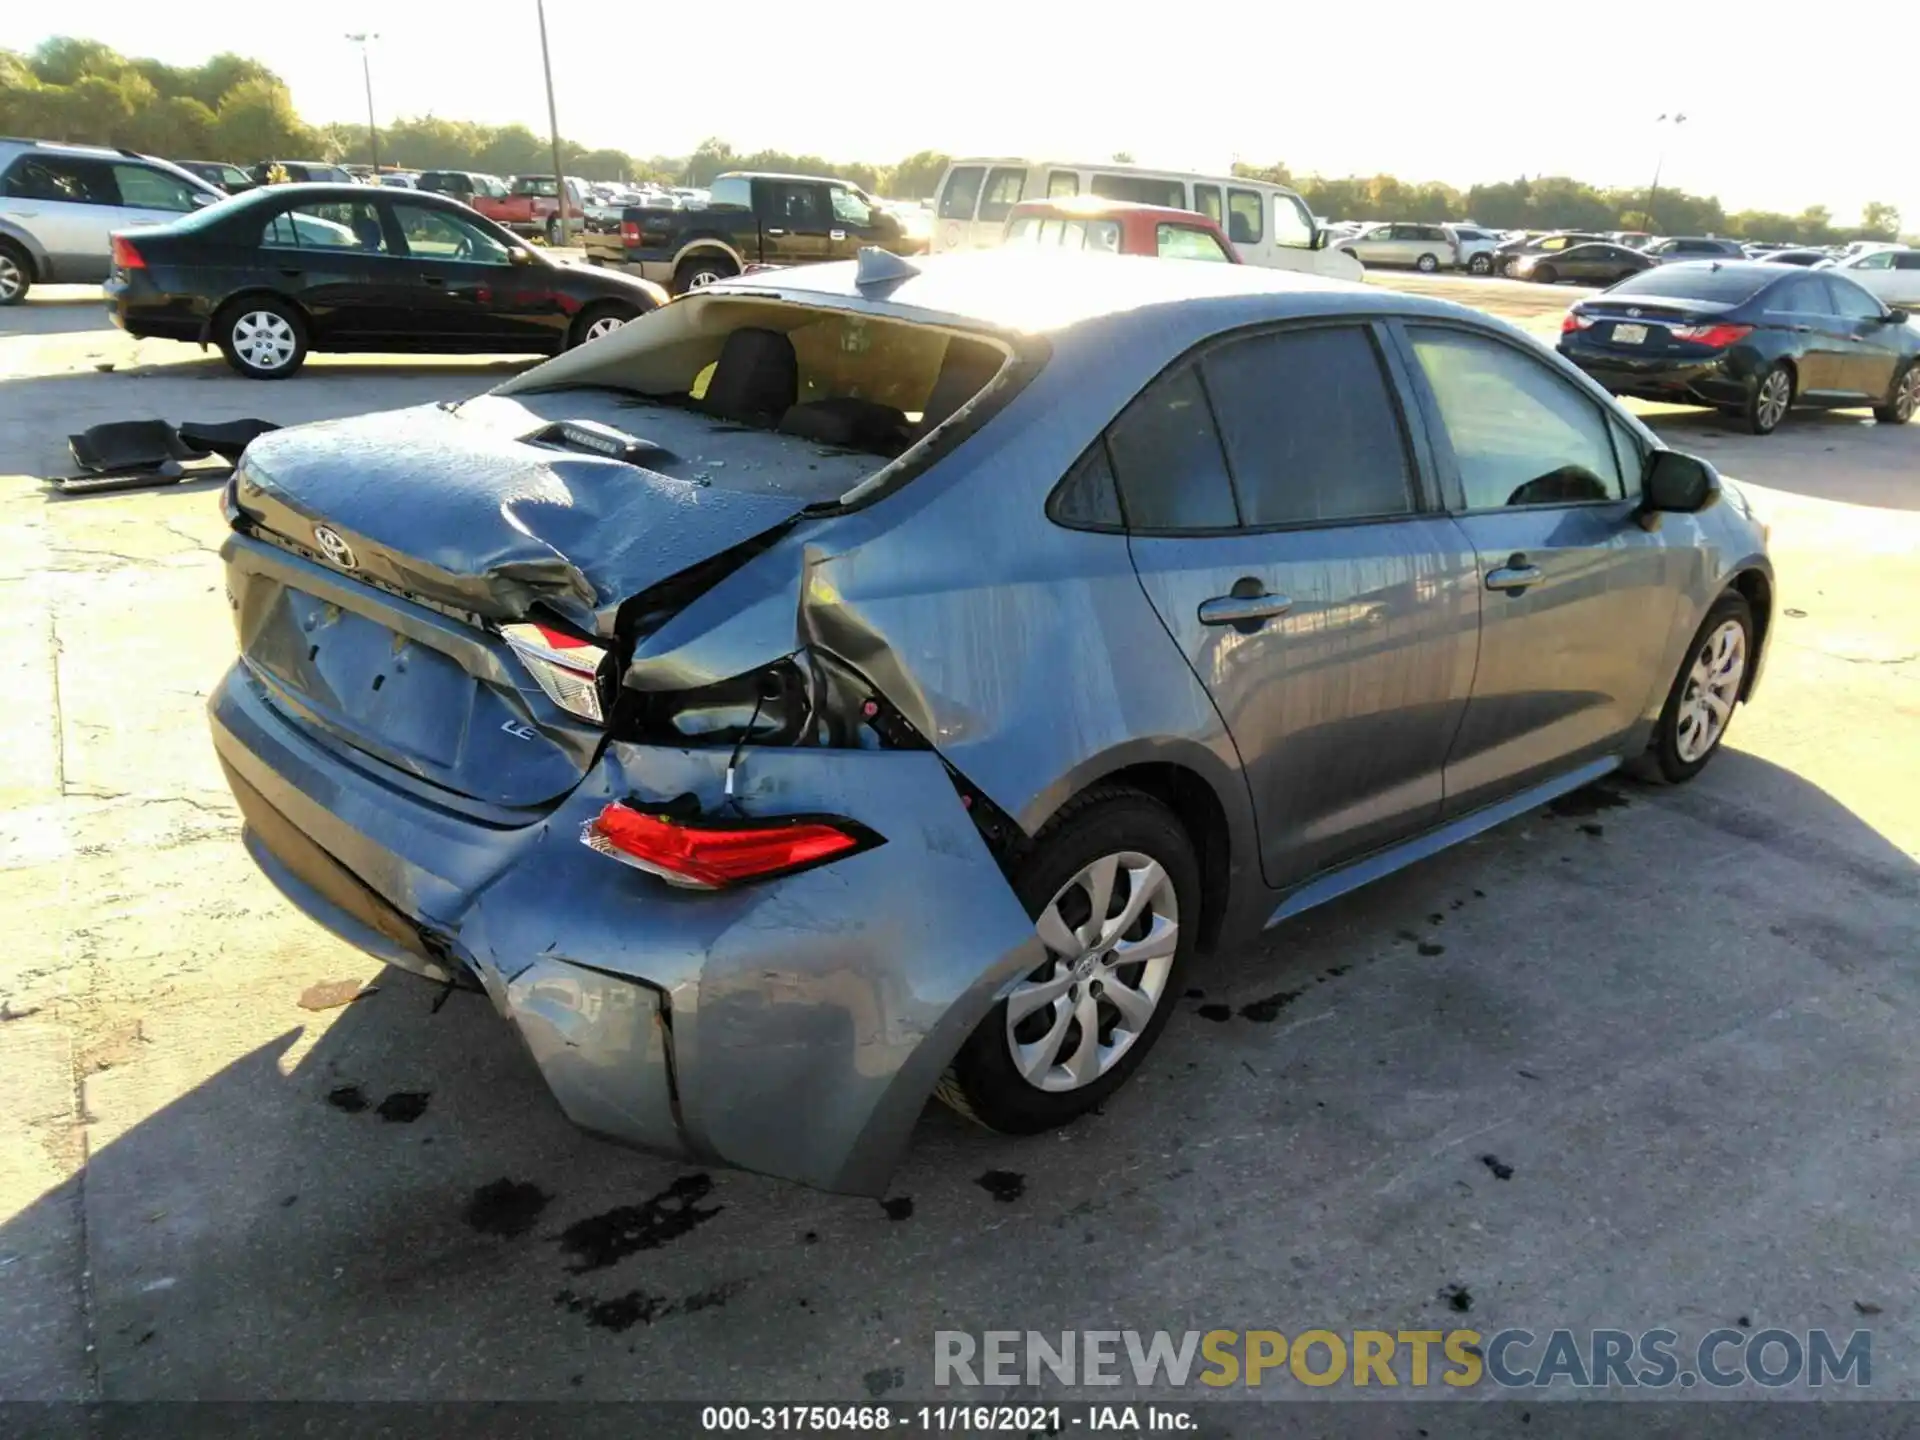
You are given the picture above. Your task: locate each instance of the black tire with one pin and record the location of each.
(1904, 398)
(1759, 414)
(697, 271)
(16, 273)
(1481, 264)
(1506, 267)
(618, 311)
(1545, 275)
(230, 331)
(1664, 760)
(983, 1082)
(1427, 264)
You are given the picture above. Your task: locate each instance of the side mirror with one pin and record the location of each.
(1896, 316)
(1322, 239)
(1681, 484)
(518, 256)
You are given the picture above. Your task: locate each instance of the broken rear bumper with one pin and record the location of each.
(794, 1027)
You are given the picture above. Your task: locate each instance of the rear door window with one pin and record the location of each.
(1166, 456)
(1062, 183)
(963, 189)
(146, 188)
(72, 178)
(1311, 431)
(327, 225)
(1206, 199)
(1003, 190)
(1142, 190)
(1244, 225)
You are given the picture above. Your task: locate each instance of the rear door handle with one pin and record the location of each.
(292, 273)
(1248, 610)
(772, 231)
(433, 280)
(1514, 576)
(836, 234)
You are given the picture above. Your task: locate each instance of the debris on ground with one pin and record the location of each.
(403, 1107)
(1501, 1170)
(331, 994)
(1006, 1186)
(129, 454)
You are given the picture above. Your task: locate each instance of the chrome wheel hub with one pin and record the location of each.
(10, 278)
(605, 325)
(263, 339)
(1713, 685)
(1908, 402)
(1111, 933)
(1775, 391)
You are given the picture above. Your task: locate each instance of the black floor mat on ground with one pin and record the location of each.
(226, 438)
(130, 445)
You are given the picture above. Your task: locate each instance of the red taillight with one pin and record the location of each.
(1714, 337)
(125, 257)
(630, 232)
(566, 666)
(712, 854)
(1575, 321)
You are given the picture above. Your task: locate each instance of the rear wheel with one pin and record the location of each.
(697, 272)
(1897, 411)
(601, 319)
(1481, 264)
(16, 274)
(1506, 266)
(263, 338)
(1700, 705)
(1545, 275)
(1772, 396)
(1114, 889)
(1426, 264)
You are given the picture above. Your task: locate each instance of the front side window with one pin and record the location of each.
(327, 225)
(433, 234)
(1310, 429)
(1243, 217)
(1851, 301)
(1166, 457)
(1880, 260)
(1521, 435)
(798, 206)
(148, 189)
(849, 208)
(963, 189)
(73, 179)
(1002, 193)
(536, 185)
(1184, 242)
(1062, 183)
(1293, 222)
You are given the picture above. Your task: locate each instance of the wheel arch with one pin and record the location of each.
(260, 292)
(708, 245)
(39, 271)
(1756, 587)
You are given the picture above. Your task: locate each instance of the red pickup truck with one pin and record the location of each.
(1117, 227)
(533, 207)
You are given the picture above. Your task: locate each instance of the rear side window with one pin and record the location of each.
(62, 177)
(1062, 183)
(963, 189)
(1086, 499)
(1243, 217)
(1004, 188)
(1521, 435)
(1166, 458)
(1142, 190)
(1206, 199)
(1184, 242)
(1310, 430)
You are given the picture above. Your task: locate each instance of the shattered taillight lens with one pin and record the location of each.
(566, 666)
(711, 854)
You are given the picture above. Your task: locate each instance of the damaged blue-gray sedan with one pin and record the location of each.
(858, 683)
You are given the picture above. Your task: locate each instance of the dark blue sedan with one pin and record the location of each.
(1750, 339)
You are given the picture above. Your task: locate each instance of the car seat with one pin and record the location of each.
(367, 230)
(964, 373)
(756, 380)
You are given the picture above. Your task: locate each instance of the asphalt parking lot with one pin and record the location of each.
(1683, 1018)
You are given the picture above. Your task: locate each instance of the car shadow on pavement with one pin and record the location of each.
(381, 1201)
(64, 314)
(1842, 455)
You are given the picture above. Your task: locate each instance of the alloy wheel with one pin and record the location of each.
(605, 325)
(700, 279)
(263, 339)
(1904, 404)
(12, 279)
(1111, 933)
(1776, 392)
(1713, 685)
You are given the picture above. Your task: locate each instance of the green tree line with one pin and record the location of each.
(233, 108)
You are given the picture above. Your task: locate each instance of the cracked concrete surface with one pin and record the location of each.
(1686, 1023)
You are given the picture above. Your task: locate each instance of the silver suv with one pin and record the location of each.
(60, 204)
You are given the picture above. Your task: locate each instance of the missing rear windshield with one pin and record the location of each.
(841, 382)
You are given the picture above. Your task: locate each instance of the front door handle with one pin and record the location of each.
(836, 234)
(433, 280)
(292, 273)
(773, 231)
(1246, 611)
(1515, 576)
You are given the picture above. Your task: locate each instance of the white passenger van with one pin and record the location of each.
(1268, 224)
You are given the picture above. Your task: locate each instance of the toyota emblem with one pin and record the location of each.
(335, 549)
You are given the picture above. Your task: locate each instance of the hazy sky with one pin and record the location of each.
(1780, 116)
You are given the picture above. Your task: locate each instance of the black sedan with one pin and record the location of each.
(277, 272)
(1749, 338)
(1600, 263)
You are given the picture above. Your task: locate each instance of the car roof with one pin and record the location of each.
(1027, 292)
(1077, 206)
(337, 190)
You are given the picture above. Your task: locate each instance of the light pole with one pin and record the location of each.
(363, 40)
(553, 123)
(1653, 191)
